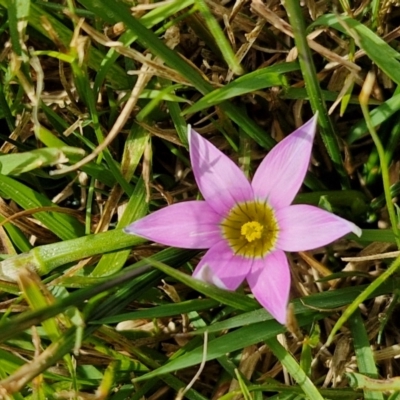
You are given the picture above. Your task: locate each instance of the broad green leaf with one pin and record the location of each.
(18, 163)
(43, 259)
(257, 80)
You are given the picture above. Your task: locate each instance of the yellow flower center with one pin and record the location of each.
(251, 229)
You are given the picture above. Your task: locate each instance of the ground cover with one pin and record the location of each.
(95, 101)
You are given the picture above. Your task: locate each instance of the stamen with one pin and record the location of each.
(252, 230)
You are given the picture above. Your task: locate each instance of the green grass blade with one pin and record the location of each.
(51, 140)
(136, 208)
(18, 14)
(308, 70)
(63, 225)
(233, 341)
(150, 19)
(162, 311)
(294, 369)
(16, 237)
(378, 115)
(383, 55)
(19, 163)
(43, 259)
(363, 296)
(359, 381)
(150, 41)
(218, 35)
(36, 299)
(257, 326)
(257, 80)
(235, 300)
(321, 301)
(116, 75)
(365, 358)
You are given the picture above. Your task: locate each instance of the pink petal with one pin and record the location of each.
(220, 180)
(269, 280)
(281, 173)
(221, 267)
(304, 227)
(190, 225)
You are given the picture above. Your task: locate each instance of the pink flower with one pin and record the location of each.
(246, 226)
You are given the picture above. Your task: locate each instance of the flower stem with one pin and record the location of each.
(362, 297)
(364, 97)
(295, 14)
(44, 259)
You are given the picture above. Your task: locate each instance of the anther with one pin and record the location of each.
(252, 230)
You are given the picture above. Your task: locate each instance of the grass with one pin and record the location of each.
(95, 97)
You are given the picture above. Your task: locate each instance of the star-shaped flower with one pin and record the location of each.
(247, 227)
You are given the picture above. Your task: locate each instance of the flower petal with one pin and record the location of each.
(304, 227)
(281, 173)
(190, 225)
(221, 267)
(220, 180)
(269, 280)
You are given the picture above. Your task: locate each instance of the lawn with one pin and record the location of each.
(198, 200)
